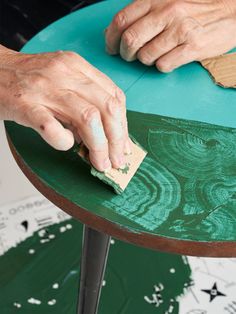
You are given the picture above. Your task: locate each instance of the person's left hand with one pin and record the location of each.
(170, 33)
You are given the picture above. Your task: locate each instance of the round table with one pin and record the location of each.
(183, 197)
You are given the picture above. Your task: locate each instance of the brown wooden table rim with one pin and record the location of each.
(183, 247)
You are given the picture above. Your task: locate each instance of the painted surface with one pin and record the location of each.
(184, 189)
(187, 93)
(25, 288)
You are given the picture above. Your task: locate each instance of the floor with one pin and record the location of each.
(23, 210)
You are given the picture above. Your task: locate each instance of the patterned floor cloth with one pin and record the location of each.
(39, 257)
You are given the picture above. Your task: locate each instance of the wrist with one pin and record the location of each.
(7, 56)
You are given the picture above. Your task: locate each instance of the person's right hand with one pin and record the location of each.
(62, 97)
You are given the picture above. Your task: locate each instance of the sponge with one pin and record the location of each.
(117, 178)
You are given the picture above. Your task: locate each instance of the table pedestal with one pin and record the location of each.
(93, 263)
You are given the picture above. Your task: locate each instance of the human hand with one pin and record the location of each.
(171, 33)
(62, 97)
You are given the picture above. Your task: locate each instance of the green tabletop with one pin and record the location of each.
(183, 197)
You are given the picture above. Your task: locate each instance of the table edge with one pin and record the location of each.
(150, 241)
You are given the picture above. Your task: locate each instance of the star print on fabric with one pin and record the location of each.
(213, 292)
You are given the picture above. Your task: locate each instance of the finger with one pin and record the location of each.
(190, 36)
(179, 56)
(122, 21)
(86, 121)
(70, 127)
(140, 33)
(128, 147)
(159, 46)
(159, 37)
(113, 115)
(51, 130)
(87, 89)
(93, 135)
(117, 135)
(107, 97)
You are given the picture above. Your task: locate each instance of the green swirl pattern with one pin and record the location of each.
(155, 193)
(185, 188)
(190, 152)
(201, 160)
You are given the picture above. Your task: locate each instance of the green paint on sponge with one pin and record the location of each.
(117, 178)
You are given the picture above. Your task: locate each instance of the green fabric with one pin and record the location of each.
(131, 274)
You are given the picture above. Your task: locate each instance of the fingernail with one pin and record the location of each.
(123, 167)
(110, 51)
(107, 165)
(128, 150)
(119, 162)
(65, 142)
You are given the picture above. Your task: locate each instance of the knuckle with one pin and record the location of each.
(120, 95)
(116, 143)
(57, 61)
(67, 96)
(184, 29)
(187, 52)
(55, 65)
(130, 38)
(97, 151)
(188, 28)
(196, 42)
(177, 7)
(38, 80)
(112, 104)
(120, 20)
(58, 56)
(70, 54)
(90, 113)
(30, 112)
(84, 79)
